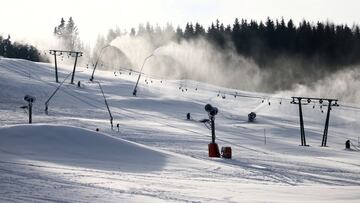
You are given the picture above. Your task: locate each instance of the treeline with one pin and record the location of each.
(17, 50)
(324, 43)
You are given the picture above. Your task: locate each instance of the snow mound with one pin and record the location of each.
(77, 147)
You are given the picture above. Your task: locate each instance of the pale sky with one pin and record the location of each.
(34, 20)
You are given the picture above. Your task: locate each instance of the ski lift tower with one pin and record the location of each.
(75, 54)
(307, 100)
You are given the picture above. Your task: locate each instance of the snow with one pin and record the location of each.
(157, 155)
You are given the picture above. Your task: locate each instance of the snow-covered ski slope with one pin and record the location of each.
(157, 155)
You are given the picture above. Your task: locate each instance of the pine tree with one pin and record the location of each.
(199, 30)
(60, 29)
(189, 31)
(132, 32)
(71, 37)
(113, 34)
(68, 34)
(179, 34)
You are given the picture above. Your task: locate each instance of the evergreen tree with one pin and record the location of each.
(59, 30)
(141, 30)
(189, 31)
(132, 32)
(113, 34)
(68, 34)
(72, 34)
(179, 34)
(199, 30)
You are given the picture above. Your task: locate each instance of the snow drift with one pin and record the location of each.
(77, 147)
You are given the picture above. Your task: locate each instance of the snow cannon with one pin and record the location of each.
(212, 111)
(30, 100)
(213, 147)
(251, 116)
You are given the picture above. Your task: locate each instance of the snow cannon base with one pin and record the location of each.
(226, 152)
(213, 150)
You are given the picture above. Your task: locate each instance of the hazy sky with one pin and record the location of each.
(34, 20)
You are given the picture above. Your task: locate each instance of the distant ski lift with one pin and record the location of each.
(293, 101)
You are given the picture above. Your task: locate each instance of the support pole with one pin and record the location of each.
(137, 82)
(73, 74)
(264, 136)
(92, 75)
(101, 51)
(212, 129)
(56, 70)
(324, 140)
(47, 101)
(30, 100)
(30, 112)
(107, 106)
(302, 130)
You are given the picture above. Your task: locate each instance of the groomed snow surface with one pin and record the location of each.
(157, 155)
